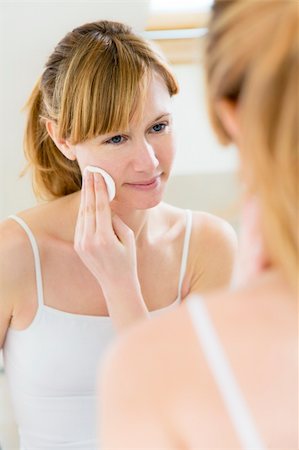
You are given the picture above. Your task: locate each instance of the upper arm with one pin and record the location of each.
(11, 242)
(213, 251)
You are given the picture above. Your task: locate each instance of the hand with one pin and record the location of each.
(252, 258)
(106, 245)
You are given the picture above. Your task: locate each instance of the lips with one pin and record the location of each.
(150, 184)
(145, 182)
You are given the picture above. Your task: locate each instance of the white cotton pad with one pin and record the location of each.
(108, 180)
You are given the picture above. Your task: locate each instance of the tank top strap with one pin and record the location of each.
(217, 361)
(185, 251)
(37, 264)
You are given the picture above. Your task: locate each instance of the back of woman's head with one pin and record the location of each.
(91, 85)
(252, 58)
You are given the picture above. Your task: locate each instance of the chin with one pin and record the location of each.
(146, 202)
(151, 204)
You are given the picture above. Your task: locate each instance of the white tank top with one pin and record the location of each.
(216, 359)
(52, 366)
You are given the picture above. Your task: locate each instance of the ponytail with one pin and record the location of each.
(53, 174)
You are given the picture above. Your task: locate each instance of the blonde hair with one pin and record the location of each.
(252, 56)
(92, 84)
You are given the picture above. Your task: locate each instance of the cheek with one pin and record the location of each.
(167, 151)
(84, 156)
(94, 157)
(113, 166)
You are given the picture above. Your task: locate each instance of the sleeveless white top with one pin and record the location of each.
(51, 368)
(216, 359)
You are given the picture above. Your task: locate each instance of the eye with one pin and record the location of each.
(118, 139)
(158, 127)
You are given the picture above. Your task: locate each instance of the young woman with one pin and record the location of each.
(221, 371)
(76, 269)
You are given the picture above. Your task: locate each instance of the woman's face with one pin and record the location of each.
(139, 159)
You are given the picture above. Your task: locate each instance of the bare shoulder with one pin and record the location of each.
(44, 221)
(148, 355)
(206, 228)
(136, 358)
(157, 334)
(212, 247)
(212, 254)
(166, 373)
(130, 385)
(159, 345)
(213, 230)
(142, 375)
(15, 252)
(13, 242)
(16, 260)
(15, 247)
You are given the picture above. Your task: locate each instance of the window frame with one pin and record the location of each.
(170, 32)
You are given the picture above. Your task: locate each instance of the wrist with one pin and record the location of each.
(125, 304)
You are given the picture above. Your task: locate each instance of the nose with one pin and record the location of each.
(145, 159)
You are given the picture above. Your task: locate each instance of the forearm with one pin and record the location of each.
(107, 247)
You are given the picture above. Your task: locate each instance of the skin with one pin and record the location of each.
(81, 236)
(170, 400)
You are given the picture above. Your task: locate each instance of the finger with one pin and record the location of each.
(80, 217)
(122, 231)
(90, 205)
(102, 206)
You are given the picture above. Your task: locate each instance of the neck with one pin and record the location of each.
(273, 279)
(135, 219)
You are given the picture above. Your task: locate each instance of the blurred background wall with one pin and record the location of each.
(204, 174)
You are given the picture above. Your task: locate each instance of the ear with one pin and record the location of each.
(229, 115)
(62, 144)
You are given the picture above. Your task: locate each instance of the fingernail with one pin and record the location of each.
(86, 172)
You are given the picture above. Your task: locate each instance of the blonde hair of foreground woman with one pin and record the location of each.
(158, 388)
(252, 58)
(86, 94)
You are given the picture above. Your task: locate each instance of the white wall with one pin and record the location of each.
(198, 148)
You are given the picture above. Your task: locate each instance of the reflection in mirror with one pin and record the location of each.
(65, 301)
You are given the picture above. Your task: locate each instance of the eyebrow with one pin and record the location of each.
(162, 115)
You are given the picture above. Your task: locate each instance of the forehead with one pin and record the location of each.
(155, 101)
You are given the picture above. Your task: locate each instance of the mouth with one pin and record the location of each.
(148, 184)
